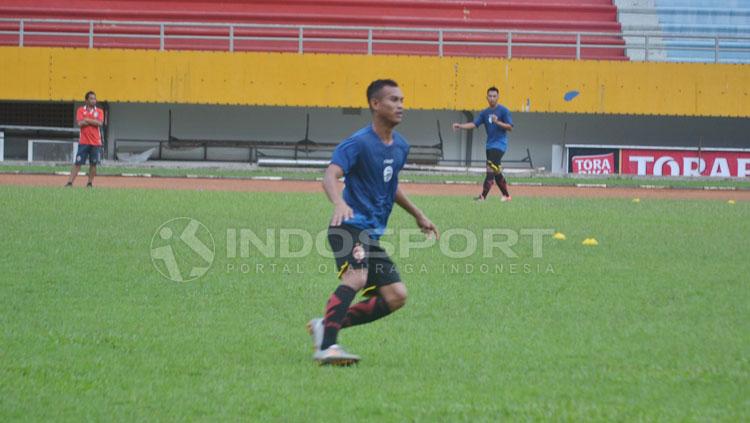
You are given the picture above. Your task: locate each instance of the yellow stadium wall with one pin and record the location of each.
(321, 80)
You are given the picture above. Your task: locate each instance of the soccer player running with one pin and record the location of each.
(89, 118)
(497, 122)
(370, 160)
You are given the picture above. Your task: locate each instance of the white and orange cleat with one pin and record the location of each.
(315, 329)
(335, 356)
(505, 198)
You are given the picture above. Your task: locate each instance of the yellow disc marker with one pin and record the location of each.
(559, 235)
(590, 241)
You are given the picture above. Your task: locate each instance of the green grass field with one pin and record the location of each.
(651, 324)
(410, 176)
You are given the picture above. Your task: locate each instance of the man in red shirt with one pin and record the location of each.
(90, 119)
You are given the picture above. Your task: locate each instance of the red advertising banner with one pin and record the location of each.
(594, 164)
(685, 162)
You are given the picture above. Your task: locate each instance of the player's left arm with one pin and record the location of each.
(508, 127)
(423, 222)
(91, 122)
(97, 121)
(497, 121)
(504, 121)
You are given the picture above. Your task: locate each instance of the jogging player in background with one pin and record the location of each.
(370, 160)
(90, 119)
(497, 122)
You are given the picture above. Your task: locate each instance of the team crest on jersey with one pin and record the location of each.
(358, 252)
(387, 173)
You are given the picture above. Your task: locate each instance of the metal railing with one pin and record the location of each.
(369, 39)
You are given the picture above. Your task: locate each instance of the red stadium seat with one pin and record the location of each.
(598, 16)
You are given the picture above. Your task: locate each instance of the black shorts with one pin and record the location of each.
(354, 249)
(494, 156)
(91, 152)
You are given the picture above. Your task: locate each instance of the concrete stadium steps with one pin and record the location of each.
(554, 15)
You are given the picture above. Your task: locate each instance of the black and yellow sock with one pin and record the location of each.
(487, 184)
(502, 184)
(365, 312)
(336, 310)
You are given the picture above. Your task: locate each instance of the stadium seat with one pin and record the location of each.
(702, 20)
(594, 16)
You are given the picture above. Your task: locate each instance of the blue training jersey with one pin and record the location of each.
(371, 170)
(496, 136)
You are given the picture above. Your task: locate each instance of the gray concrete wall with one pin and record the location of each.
(536, 131)
(539, 131)
(151, 122)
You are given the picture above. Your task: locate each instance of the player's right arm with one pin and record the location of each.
(470, 125)
(341, 210)
(80, 120)
(94, 122)
(89, 122)
(467, 125)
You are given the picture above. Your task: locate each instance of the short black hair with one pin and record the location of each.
(493, 88)
(86, 97)
(375, 86)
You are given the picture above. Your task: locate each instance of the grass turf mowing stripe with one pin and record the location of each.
(651, 324)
